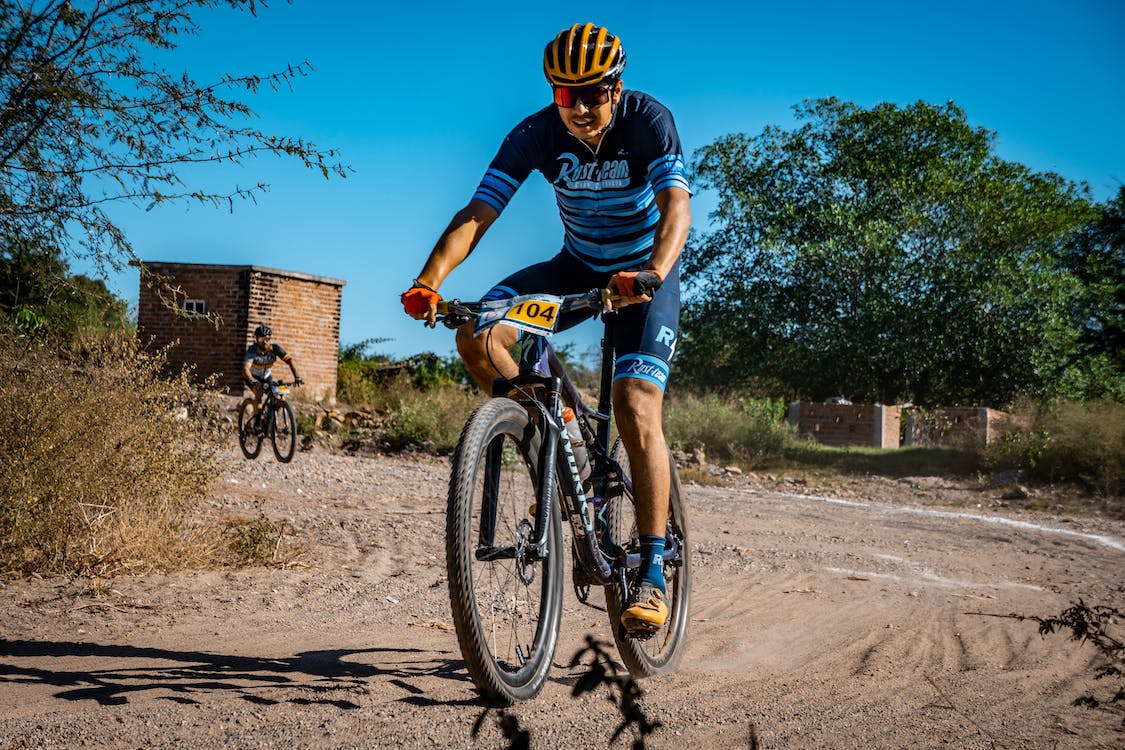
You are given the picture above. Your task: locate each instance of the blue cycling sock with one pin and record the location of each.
(652, 561)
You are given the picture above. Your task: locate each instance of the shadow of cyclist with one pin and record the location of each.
(196, 673)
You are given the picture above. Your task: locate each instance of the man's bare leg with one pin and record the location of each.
(486, 356)
(639, 406)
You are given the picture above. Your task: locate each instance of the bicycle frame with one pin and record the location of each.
(540, 367)
(269, 408)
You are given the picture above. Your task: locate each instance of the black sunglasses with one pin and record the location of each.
(591, 96)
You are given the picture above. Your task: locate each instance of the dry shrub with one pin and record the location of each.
(1071, 441)
(237, 540)
(102, 460)
(744, 430)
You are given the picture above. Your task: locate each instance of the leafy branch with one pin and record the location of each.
(624, 694)
(1089, 625)
(88, 116)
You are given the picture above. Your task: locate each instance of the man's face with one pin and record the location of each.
(585, 118)
(263, 342)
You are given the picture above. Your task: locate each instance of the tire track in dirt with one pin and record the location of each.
(822, 622)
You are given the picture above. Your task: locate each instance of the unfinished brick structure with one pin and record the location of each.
(872, 425)
(303, 310)
(950, 425)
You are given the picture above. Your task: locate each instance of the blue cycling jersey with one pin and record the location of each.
(607, 196)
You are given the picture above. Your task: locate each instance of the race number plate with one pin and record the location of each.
(535, 313)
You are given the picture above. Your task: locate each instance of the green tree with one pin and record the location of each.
(1097, 259)
(36, 285)
(881, 254)
(88, 117)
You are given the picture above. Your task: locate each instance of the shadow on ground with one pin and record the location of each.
(313, 677)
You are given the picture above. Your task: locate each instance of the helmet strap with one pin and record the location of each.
(612, 116)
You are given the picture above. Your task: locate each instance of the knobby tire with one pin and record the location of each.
(248, 441)
(506, 611)
(283, 432)
(661, 653)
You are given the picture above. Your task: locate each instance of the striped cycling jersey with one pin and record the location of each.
(607, 199)
(261, 363)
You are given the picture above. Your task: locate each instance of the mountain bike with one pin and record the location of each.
(276, 419)
(514, 481)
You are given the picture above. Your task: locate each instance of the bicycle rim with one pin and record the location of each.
(283, 432)
(250, 443)
(506, 610)
(661, 653)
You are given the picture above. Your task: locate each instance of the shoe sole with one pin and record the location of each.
(640, 630)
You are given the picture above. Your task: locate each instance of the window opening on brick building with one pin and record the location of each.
(195, 307)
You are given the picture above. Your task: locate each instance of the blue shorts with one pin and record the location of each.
(644, 335)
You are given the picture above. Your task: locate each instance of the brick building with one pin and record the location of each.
(303, 310)
(872, 425)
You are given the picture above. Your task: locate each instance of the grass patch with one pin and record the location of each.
(901, 462)
(745, 431)
(431, 419)
(256, 540)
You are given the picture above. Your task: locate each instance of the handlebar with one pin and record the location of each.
(281, 383)
(454, 313)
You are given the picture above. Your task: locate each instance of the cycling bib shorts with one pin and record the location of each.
(644, 335)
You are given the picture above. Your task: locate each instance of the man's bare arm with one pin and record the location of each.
(457, 241)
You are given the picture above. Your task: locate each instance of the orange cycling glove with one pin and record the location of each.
(417, 299)
(635, 283)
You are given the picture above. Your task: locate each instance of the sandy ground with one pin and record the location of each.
(848, 617)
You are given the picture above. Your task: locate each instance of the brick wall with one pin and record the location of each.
(947, 425)
(303, 310)
(847, 424)
(305, 316)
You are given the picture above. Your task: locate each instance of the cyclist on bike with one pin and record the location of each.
(614, 158)
(257, 364)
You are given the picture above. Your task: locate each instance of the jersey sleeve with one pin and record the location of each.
(660, 143)
(280, 353)
(509, 168)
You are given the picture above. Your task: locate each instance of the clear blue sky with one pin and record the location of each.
(417, 96)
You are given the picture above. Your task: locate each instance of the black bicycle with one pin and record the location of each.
(514, 480)
(276, 420)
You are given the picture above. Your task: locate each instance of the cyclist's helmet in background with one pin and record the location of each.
(262, 330)
(582, 55)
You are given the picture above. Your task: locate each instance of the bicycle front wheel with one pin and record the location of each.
(283, 432)
(249, 440)
(661, 653)
(506, 600)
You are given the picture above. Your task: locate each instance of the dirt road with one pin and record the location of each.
(822, 621)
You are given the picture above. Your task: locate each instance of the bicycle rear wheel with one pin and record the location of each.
(661, 653)
(507, 603)
(283, 431)
(248, 440)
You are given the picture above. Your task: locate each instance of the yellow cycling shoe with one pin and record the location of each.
(646, 612)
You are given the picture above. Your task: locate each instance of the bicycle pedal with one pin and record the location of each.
(641, 631)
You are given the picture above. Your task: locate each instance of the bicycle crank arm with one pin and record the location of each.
(632, 560)
(487, 554)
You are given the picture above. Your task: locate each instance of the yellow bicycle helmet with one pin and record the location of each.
(583, 55)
